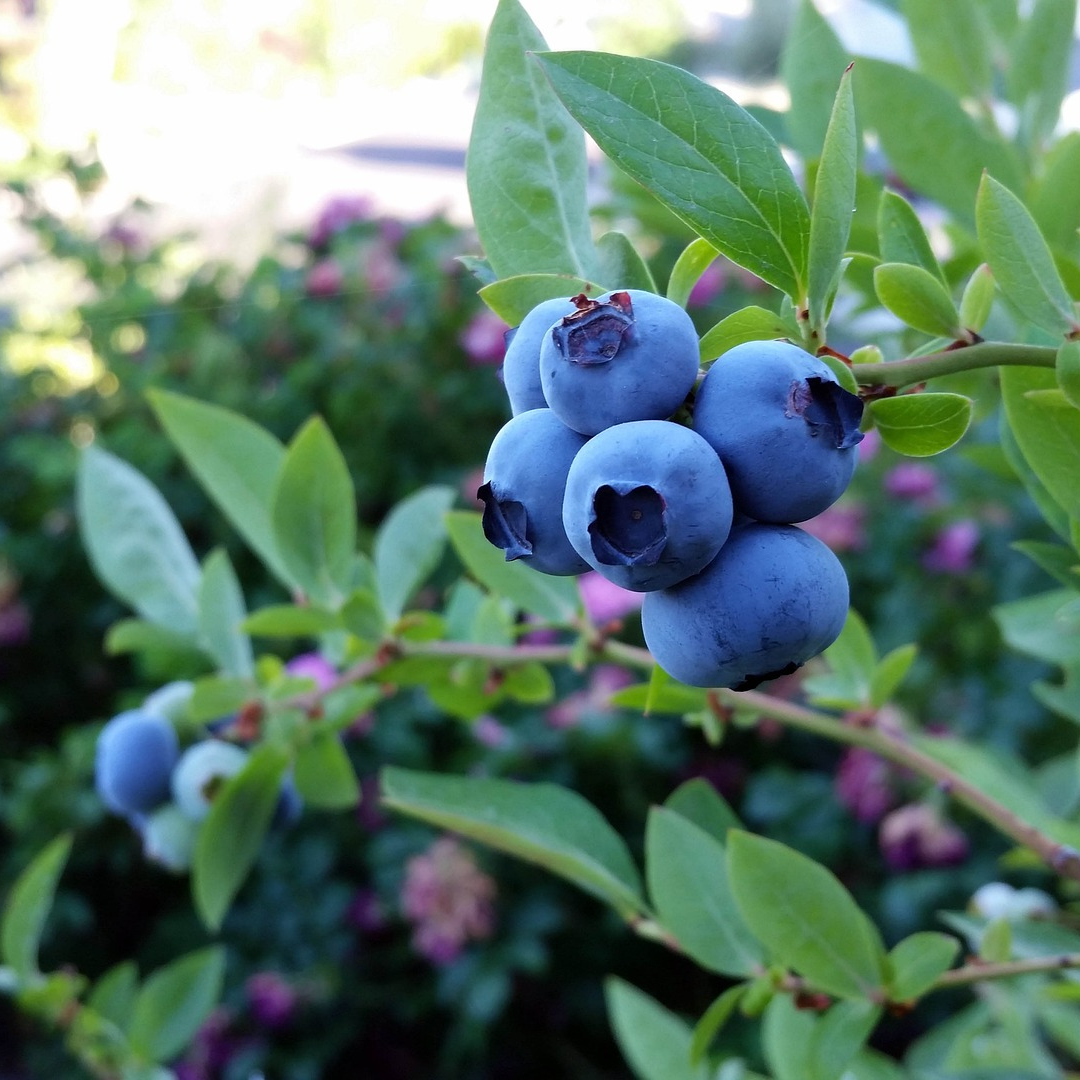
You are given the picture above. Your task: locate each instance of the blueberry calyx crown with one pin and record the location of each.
(749, 682)
(594, 333)
(828, 409)
(629, 527)
(504, 523)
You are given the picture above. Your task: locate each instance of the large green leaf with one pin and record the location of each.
(654, 1041)
(314, 515)
(833, 205)
(235, 461)
(700, 803)
(918, 298)
(700, 154)
(688, 884)
(1055, 201)
(917, 962)
(1020, 260)
(931, 142)
(1038, 75)
(801, 1045)
(804, 916)
(221, 617)
(135, 543)
(622, 263)
(951, 42)
(921, 425)
(231, 837)
(28, 905)
(526, 167)
(901, 236)
(173, 1003)
(1048, 435)
(324, 776)
(541, 823)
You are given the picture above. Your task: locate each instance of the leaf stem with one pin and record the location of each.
(917, 369)
(976, 971)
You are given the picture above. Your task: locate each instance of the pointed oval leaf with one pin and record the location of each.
(230, 837)
(713, 1020)
(136, 545)
(28, 905)
(291, 620)
(221, 617)
(512, 298)
(890, 673)
(692, 262)
(704, 157)
(313, 511)
(833, 205)
(526, 167)
(541, 823)
(1055, 201)
(1038, 76)
(621, 262)
(688, 884)
(654, 1041)
(701, 804)
(921, 425)
(977, 299)
(748, 324)
(408, 546)
(917, 962)
(174, 1001)
(113, 995)
(323, 774)
(918, 298)
(1068, 371)
(234, 460)
(901, 236)
(952, 44)
(805, 918)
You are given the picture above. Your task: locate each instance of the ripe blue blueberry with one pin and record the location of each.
(773, 598)
(521, 364)
(134, 757)
(202, 770)
(784, 427)
(524, 480)
(628, 355)
(647, 504)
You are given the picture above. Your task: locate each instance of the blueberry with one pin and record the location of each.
(773, 598)
(521, 364)
(134, 757)
(524, 480)
(200, 773)
(171, 700)
(784, 427)
(628, 355)
(647, 504)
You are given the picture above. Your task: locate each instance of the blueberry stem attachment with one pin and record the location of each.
(917, 369)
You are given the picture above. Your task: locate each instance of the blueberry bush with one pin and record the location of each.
(854, 672)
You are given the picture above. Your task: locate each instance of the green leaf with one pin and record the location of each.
(654, 1041)
(363, 616)
(531, 684)
(541, 823)
(901, 237)
(688, 884)
(1020, 260)
(833, 205)
(323, 774)
(526, 167)
(977, 300)
(234, 460)
(714, 1019)
(995, 946)
(1032, 626)
(215, 697)
(313, 511)
(804, 916)
(113, 995)
(692, 262)
(619, 261)
(28, 906)
(135, 544)
(952, 44)
(935, 147)
(291, 620)
(705, 158)
(917, 297)
(409, 545)
(230, 838)
(787, 1039)
(221, 617)
(552, 598)
(1059, 561)
(811, 63)
(748, 324)
(702, 805)
(1038, 76)
(513, 298)
(1068, 371)
(890, 673)
(853, 656)
(174, 1001)
(921, 425)
(1049, 438)
(917, 962)
(1055, 200)
(801, 1045)
(137, 635)
(661, 695)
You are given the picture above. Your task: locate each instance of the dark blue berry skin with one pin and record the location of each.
(134, 758)
(784, 427)
(773, 598)
(524, 481)
(628, 355)
(521, 363)
(647, 504)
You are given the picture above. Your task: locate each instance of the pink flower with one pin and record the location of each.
(324, 279)
(313, 666)
(484, 338)
(604, 600)
(953, 549)
(381, 268)
(449, 900)
(864, 784)
(604, 680)
(273, 1001)
(338, 214)
(708, 286)
(841, 527)
(489, 732)
(913, 481)
(916, 835)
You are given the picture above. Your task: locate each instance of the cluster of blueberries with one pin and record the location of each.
(597, 470)
(142, 775)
